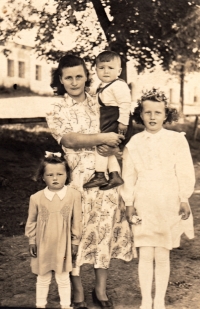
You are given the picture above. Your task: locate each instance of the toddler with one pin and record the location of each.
(54, 229)
(115, 105)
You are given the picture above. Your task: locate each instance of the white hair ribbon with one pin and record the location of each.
(55, 154)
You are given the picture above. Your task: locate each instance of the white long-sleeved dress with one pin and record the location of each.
(158, 174)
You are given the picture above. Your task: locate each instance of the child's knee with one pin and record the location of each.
(161, 255)
(44, 279)
(147, 254)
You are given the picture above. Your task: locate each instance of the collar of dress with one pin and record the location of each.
(71, 102)
(50, 194)
(155, 136)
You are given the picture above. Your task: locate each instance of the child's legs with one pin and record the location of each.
(64, 289)
(162, 271)
(145, 270)
(42, 289)
(113, 165)
(101, 163)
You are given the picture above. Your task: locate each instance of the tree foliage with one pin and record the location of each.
(146, 30)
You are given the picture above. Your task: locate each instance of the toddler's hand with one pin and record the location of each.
(33, 250)
(184, 211)
(122, 128)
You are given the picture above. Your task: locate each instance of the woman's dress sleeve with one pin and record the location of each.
(58, 121)
(184, 169)
(30, 229)
(76, 228)
(129, 176)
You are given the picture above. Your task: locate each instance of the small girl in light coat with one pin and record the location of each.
(54, 229)
(158, 178)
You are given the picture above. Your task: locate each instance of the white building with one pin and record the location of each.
(167, 83)
(20, 66)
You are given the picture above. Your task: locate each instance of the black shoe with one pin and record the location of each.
(80, 305)
(97, 180)
(105, 304)
(114, 181)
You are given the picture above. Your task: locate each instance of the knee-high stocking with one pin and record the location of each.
(145, 270)
(42, 289)
(162, 271)
(64, 289)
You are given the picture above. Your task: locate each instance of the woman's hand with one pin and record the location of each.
(106, 151)
(184, 211)
(112, 139)
(33, 250)
(130, 212)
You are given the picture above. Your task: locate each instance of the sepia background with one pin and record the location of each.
(159, 45)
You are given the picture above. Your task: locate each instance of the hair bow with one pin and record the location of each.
(55, 154)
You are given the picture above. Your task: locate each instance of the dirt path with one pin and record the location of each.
(21, 148)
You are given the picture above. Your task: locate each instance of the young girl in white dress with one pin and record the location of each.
(54, 229)
(158, 178)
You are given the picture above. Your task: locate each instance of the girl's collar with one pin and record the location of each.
(50, 194)
(151, 135)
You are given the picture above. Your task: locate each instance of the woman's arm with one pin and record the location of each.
(78, 140)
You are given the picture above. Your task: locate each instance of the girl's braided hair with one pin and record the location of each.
(156, 96)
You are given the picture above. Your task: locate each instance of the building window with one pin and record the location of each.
(38, 72)
(10, 68)
(21, 68)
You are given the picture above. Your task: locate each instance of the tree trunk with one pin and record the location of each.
(102, 16)
(182, 78)
(105, 24)
(124, 69)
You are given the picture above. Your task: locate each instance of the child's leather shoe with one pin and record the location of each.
(97, 180)
(114, 181)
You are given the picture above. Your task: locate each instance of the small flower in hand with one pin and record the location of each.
(184, 211)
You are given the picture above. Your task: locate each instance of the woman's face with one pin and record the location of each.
(153, 115)
(73, 80)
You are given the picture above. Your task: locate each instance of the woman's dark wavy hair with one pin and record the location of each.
(155, 96)
(52, 159)
(67, 61)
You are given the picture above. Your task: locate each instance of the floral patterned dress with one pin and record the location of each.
(106, 233)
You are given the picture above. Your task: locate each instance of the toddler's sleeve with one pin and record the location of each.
(129, 176)
(184, 169)
(123, 98)
(76, 228)
(58, 121)
(30, 228)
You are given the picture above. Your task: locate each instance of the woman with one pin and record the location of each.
(74, 123)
